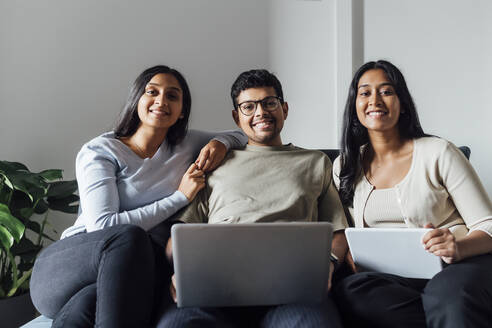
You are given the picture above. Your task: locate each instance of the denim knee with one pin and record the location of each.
(131, 237)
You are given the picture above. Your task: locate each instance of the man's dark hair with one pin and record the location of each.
(129, 121)
(255, 78)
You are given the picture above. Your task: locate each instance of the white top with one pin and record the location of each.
(441, 188)
(116, 186)
(382, 210)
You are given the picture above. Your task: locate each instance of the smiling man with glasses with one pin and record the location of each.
(260, 110)
(265, 182)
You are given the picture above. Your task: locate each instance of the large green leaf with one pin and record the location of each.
(6, 181)
(21, 205)
(11, 223)
(64, 204)
(51, 174)
(25, 247)
(5, 191)
(41, 207)
(8, 167)
(62, 189)
(6, 239)
(26, 213)
(30, 183)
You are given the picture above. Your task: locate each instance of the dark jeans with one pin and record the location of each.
(317, 315)
(121, 267)
(459, 296)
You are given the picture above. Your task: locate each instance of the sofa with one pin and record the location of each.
(43, 322)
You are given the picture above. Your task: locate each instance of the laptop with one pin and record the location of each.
(218, 265)
(397, 251)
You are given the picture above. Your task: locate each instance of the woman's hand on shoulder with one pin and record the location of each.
(192, 182)
(441, 242)
(211, 155)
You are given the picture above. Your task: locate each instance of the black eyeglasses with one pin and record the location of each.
(270, 104)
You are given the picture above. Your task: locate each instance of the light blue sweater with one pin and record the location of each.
(116, 186)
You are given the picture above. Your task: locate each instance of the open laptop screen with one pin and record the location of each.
(251, 264)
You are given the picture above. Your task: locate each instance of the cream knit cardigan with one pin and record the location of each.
(441, 188)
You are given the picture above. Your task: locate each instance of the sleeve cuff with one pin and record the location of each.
(179, 198)
(487, 231)
(223, 140)
(484, 224)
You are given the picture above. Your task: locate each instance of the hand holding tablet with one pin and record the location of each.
(396, 251)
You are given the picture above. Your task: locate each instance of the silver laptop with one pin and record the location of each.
(397, 251)
(220, 265)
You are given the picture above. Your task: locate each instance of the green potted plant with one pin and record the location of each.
(25, 200)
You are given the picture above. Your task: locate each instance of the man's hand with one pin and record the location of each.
(192, 182)
(172, 289)
(211, 155)
(169, 250)
(330, 276)
(442, 243)
(169, 255)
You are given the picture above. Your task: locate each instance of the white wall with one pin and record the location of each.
(444, 48)
(302, 54)
(66, 67)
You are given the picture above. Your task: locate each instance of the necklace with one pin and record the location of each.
(140, 150)
(133, 145)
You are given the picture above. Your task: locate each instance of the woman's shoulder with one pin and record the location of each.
(105, 139)
(438, 152)
(432, 143)
(436, 145)
(105, 145)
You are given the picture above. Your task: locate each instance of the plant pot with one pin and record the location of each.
(16, 311)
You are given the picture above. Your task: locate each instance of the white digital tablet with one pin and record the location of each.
(251, 264)
(397, 251)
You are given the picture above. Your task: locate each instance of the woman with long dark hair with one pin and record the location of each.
(391, 174)
(109, 269)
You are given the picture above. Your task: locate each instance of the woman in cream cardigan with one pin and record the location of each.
(391, 174)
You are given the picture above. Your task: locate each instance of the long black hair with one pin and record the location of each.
(129, 121)
(354, 134)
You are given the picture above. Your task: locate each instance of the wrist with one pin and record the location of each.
(186, 196)
(334, 260)
(459, 247)
(221, 142)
